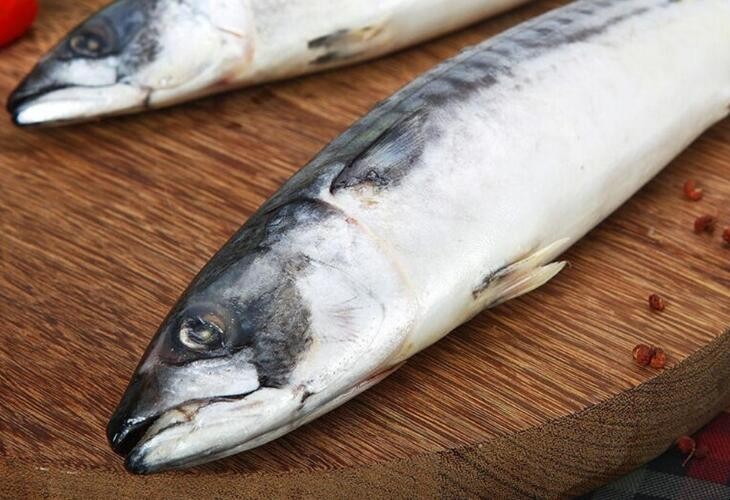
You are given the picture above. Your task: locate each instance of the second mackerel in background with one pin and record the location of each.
(143, 54)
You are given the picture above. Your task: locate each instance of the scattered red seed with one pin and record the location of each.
(686, 444)
(643, 354)
(705, 224)
(701, 451)
(646, 355)
(726, 235)
(658, 360)
(656, 302)
(636, 350)
(691, 191)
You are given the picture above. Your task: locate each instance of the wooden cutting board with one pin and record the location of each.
(104, 224)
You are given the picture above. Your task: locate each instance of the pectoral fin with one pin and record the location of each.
(520, 277)
(389, 158)
(344, 44)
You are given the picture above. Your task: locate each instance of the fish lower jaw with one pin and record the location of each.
(78, 104)
(140, 461)
(161, 447)
(197, 432)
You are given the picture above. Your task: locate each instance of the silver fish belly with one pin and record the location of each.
(142, 54)
(451, 196)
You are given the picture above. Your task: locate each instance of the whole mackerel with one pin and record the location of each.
(142, 54)
(453, 195)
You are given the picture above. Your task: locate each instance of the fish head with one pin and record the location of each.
(137, 54)
(264, 340)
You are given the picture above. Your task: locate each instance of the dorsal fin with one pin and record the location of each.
(388, 158)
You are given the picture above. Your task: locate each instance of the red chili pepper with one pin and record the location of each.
(16, 16)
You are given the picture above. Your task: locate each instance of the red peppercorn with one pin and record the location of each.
(658, 360)
(705, 224)
(686, 444)
(726, 235)
(656, 302)
(691, 191)
(643, 354)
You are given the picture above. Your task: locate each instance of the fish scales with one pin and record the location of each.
(464, 84)
(474, 69)
(453, 195)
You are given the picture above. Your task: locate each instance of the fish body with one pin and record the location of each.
(141, 54)
(451, 196)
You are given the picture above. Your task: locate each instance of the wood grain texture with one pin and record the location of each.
(547, 461)
(103, 225)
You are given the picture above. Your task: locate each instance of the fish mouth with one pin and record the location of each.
(24, 96)
(124, 435)
(128, 435)
(25, 93)
(68, 103)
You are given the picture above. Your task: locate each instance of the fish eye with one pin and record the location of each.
(89, 43)
(202, 333)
